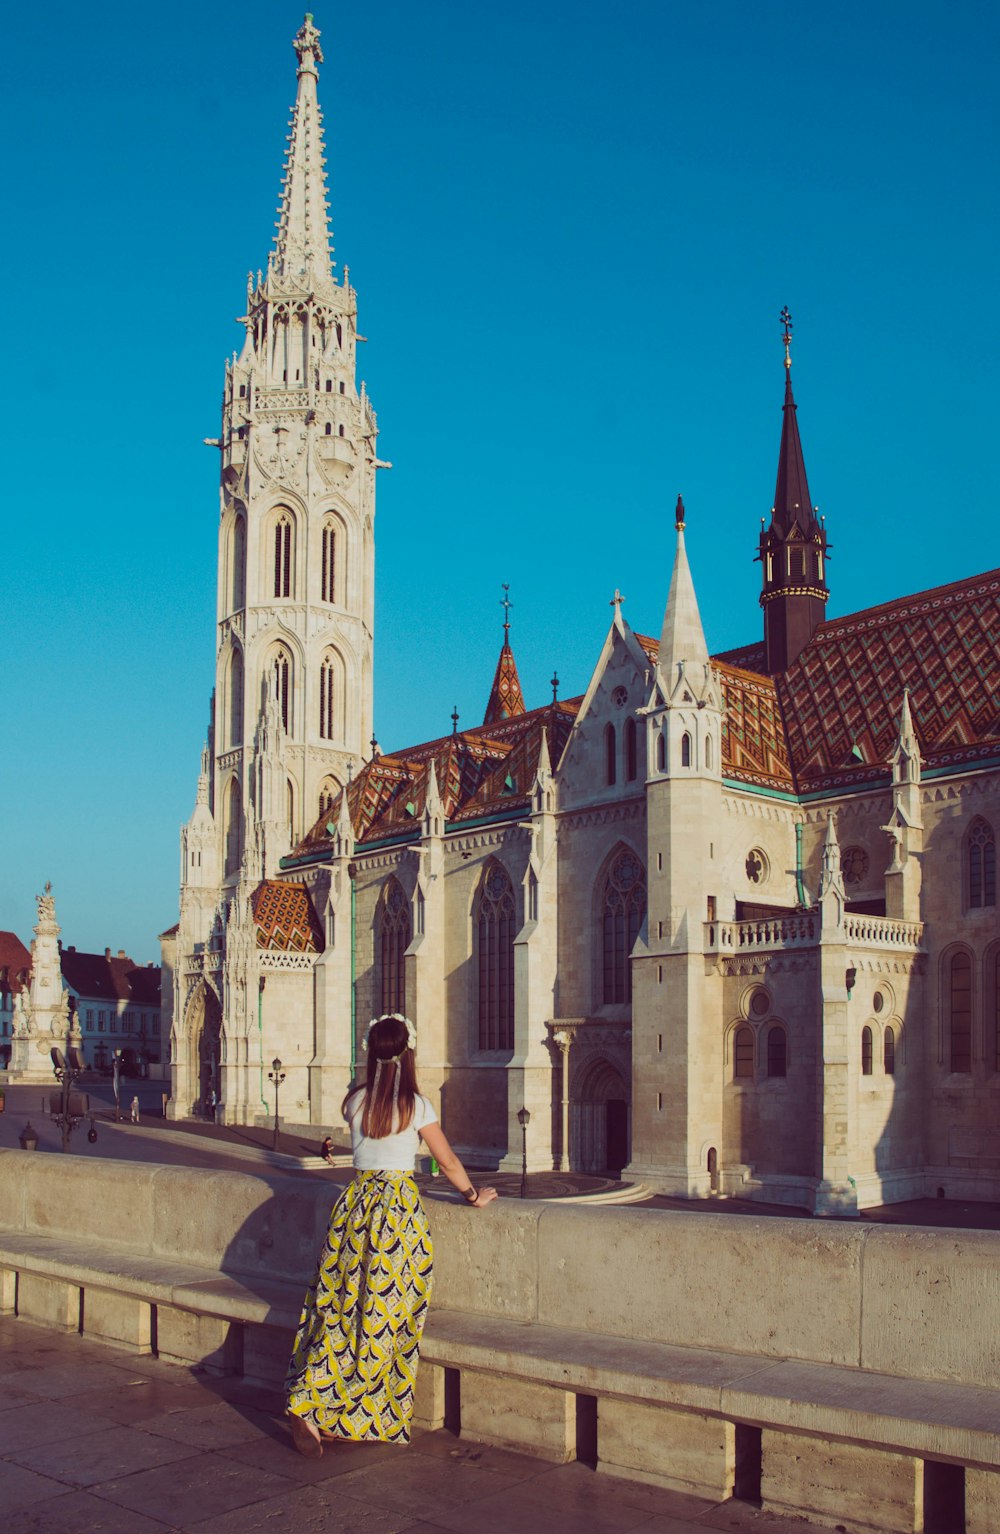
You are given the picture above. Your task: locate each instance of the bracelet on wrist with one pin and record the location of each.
(471, 1194)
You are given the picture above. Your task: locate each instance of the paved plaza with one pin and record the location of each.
(98, 1441)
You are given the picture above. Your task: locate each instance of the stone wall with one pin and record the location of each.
(897, 1299)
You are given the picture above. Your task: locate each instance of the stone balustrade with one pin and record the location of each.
(796, 930)
(851, 1367)
(882, 932)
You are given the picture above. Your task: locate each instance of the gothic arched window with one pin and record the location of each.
(394, 940)
(234, 827)
(960, 1012)
(282, 672)
(328, 576)
(328, 791)
(777, 1051)
(495, 917)
(238, 575)
(283, 556)
(236, 698)
(631, 755)
(327, 698)
(743, 1054)
(623, 907)
(661, 751)
(982, 864)
(685, 750)
(866, 1051)
(889, 1052)
(610, 754)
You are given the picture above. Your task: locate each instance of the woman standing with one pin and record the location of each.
(354, 1363)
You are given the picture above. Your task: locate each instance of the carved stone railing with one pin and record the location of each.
(278, 959)
(799, 929)
(882, 932)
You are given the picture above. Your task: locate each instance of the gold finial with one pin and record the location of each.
(679, 514)
(786, 321)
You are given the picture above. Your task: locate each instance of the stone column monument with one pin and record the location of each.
(44, 1020)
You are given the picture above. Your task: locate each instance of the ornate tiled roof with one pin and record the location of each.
(285, 919)
(506, 698)
(829, 721)
(472, 768)
(754, 747)
(841, 699)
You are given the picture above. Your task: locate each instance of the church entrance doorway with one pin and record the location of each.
(602, 1120)
(205, 1035)
(616, 1135)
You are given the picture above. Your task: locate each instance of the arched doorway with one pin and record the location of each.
(603, 1131)
(205, 1044)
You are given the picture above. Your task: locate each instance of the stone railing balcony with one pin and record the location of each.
(882, 932)
(799, 929)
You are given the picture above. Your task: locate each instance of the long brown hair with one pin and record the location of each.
(392, 1080)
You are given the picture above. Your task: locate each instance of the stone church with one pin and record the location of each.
(726, 923)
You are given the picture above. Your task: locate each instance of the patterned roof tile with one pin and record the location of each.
(285, 918)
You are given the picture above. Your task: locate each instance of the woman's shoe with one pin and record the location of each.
(305, 1437)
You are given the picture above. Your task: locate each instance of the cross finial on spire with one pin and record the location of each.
(786, 321)
(554, 684)
(679, 514)
(374, 745)
(454, 720)
(506, 604)
(616, 601)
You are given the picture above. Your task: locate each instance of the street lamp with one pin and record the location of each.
(277, 1075)
(67, 1108)
(524, 1119)
(28, 1138)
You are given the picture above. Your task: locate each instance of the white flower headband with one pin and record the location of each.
(395, 1017)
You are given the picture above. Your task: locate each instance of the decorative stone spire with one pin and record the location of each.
(832, 896)
(302, 243)
(201, 797)
(433, 804)
(343, 829)
(506, 698)
(793, 548)
(683, 651)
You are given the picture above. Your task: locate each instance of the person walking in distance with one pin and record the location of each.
(354, 1362)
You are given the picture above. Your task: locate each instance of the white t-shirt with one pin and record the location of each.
(393, 1153)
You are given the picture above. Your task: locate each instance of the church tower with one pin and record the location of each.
(293, 696)
(793, 549)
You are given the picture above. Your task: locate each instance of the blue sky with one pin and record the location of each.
(572, 226)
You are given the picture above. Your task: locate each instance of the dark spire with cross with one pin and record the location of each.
(454, 720)
(793, 549)
(506, 697)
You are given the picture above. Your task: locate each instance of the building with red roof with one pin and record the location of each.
(728, 922)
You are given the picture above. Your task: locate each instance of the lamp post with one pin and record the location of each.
(524, 1119)
(277, 1075)
(67, 1108)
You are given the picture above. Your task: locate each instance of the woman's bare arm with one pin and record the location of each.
(436, 1141)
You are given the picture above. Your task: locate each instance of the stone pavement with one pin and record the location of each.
(98, 1441)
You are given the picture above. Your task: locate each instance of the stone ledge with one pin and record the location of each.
(943, 1420)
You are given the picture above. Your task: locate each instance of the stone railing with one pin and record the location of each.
(796, 930)
(841, 1371)
(882, 932)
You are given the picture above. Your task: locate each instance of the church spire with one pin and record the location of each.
(302, 243)
(683, 650)
(793, 548)
(506, 698)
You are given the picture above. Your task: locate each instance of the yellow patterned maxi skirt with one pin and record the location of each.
(354, 1364)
